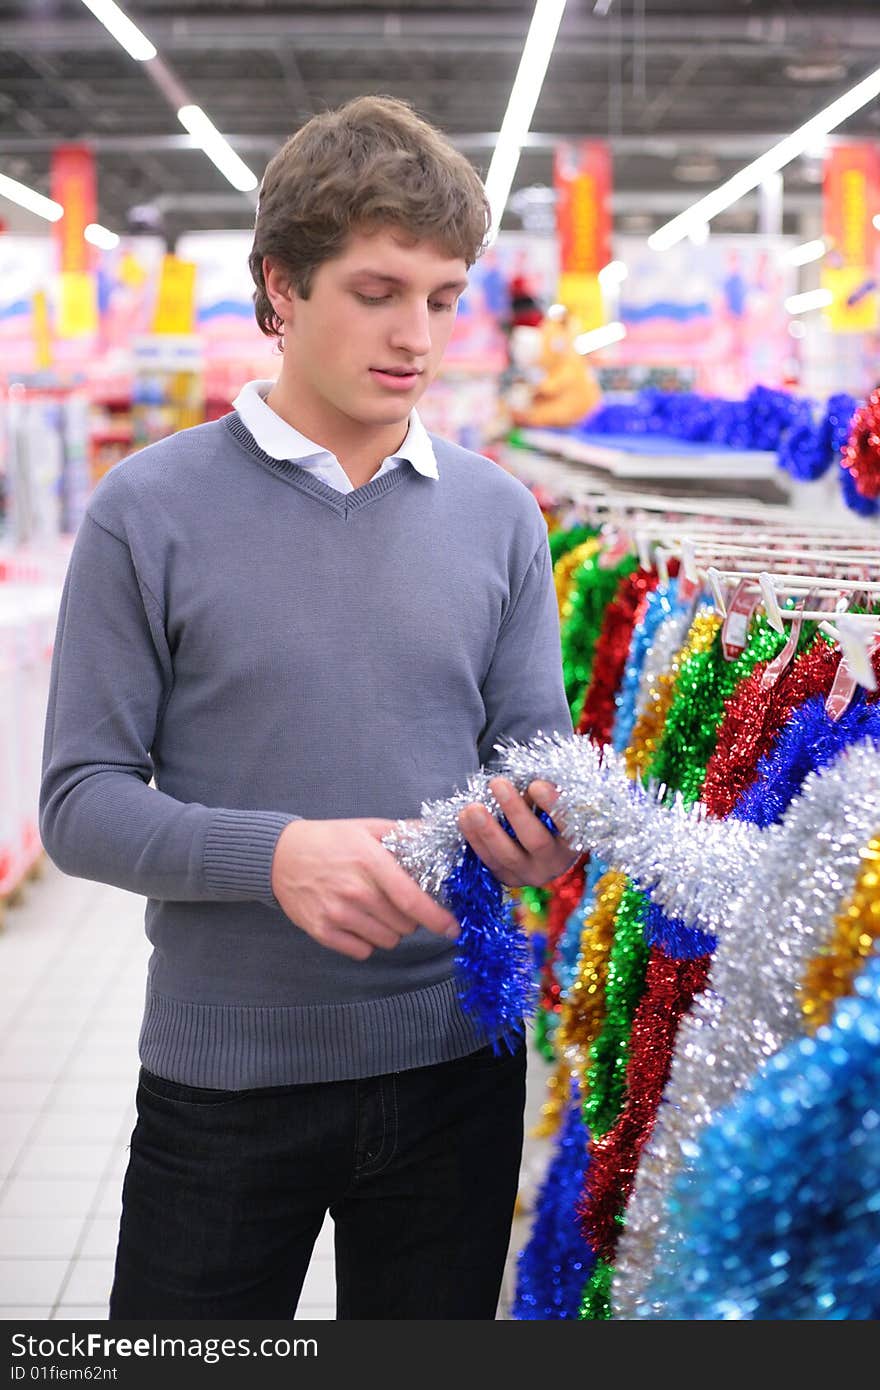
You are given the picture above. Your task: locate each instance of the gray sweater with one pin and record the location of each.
(263, 648)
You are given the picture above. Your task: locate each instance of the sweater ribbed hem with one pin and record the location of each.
(236, 1047)
(239, 848)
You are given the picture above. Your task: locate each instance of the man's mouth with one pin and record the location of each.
(396, 377)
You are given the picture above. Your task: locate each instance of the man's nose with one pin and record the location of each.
(412, 330)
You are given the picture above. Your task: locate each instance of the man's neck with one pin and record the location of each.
(360, 449)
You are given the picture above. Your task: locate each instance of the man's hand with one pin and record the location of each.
(336, 881)
(538, 857)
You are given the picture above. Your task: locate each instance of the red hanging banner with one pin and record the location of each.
(582, 178)
(73, 185)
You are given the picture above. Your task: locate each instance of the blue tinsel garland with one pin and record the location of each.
(767, 420)
(810, 740)
(660, 604)
(494, 961)
(781, 1215)
(557, 1262)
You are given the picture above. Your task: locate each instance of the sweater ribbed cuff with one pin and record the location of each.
(239, 849)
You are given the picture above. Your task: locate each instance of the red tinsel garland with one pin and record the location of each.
(861, 454)
(595, 721)
(614, 1157)
(609, 659)
(753, 718)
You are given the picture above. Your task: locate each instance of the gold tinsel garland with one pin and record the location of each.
(583, 1006)
(565, 570)
(649, 726)
(830, 974)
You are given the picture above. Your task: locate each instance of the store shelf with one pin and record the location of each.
(654, 457)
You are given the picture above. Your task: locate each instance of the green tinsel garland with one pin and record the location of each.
(592, 590)
(561, 542)
(703, 685)
(596, 1300)
(609, 1054)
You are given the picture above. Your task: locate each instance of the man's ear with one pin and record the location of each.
(279, 289)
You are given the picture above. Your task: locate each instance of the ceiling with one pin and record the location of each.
(685, 93)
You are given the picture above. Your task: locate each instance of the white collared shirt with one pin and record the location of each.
(280, 440)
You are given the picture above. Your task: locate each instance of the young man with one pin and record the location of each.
(302, 621)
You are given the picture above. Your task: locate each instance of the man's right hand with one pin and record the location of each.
(338, 882)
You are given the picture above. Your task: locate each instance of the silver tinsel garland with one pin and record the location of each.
(770, 897)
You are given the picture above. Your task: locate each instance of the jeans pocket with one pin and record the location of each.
(160, 1088)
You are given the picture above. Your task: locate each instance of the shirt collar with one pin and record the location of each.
(280, 440)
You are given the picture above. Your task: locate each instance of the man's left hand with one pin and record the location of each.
(536, 856)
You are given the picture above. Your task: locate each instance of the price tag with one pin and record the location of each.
(735, 628)
(779, 664)
(840, 695)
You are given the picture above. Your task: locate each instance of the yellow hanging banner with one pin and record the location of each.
(42, 339)
(176, 297)
(851, 196)
(77, 304)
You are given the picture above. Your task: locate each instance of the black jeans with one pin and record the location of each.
(226, 1192)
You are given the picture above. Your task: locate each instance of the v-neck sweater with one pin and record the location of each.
(261, 647)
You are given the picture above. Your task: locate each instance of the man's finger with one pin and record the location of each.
(495, 847)
(544, 794)
(406, 895)
(532, 834)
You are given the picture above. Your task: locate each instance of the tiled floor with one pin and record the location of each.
(72, 961)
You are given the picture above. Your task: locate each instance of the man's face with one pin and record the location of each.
(368, 340)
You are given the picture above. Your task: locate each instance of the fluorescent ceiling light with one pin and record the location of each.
(876, 220)
(521, 106)
(810, 299)
(117, 23)
(805, 253)
(768, 163)
(28, 198)
(614, 273)
(602, 7)
(101, 236)
(193, 119)
(599, 338)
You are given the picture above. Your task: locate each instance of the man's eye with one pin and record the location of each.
(443, 308)
(373, 299)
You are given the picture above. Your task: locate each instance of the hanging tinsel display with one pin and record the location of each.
(670, 987)
(811, 739)
(754, 716)
(609, 660)
(563, 540)
(595, 722)
(855, 500)
(750, 1010)
(555, 1264)
(565, 569)
(593, 589)
(651, 723)
(779, 1219)
(668, 640)
(659, 605)
(861, 455)
(831, 973)
(704, 683)
(721, 875)
(606, 1070)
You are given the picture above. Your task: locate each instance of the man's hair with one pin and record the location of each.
(371, 163)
